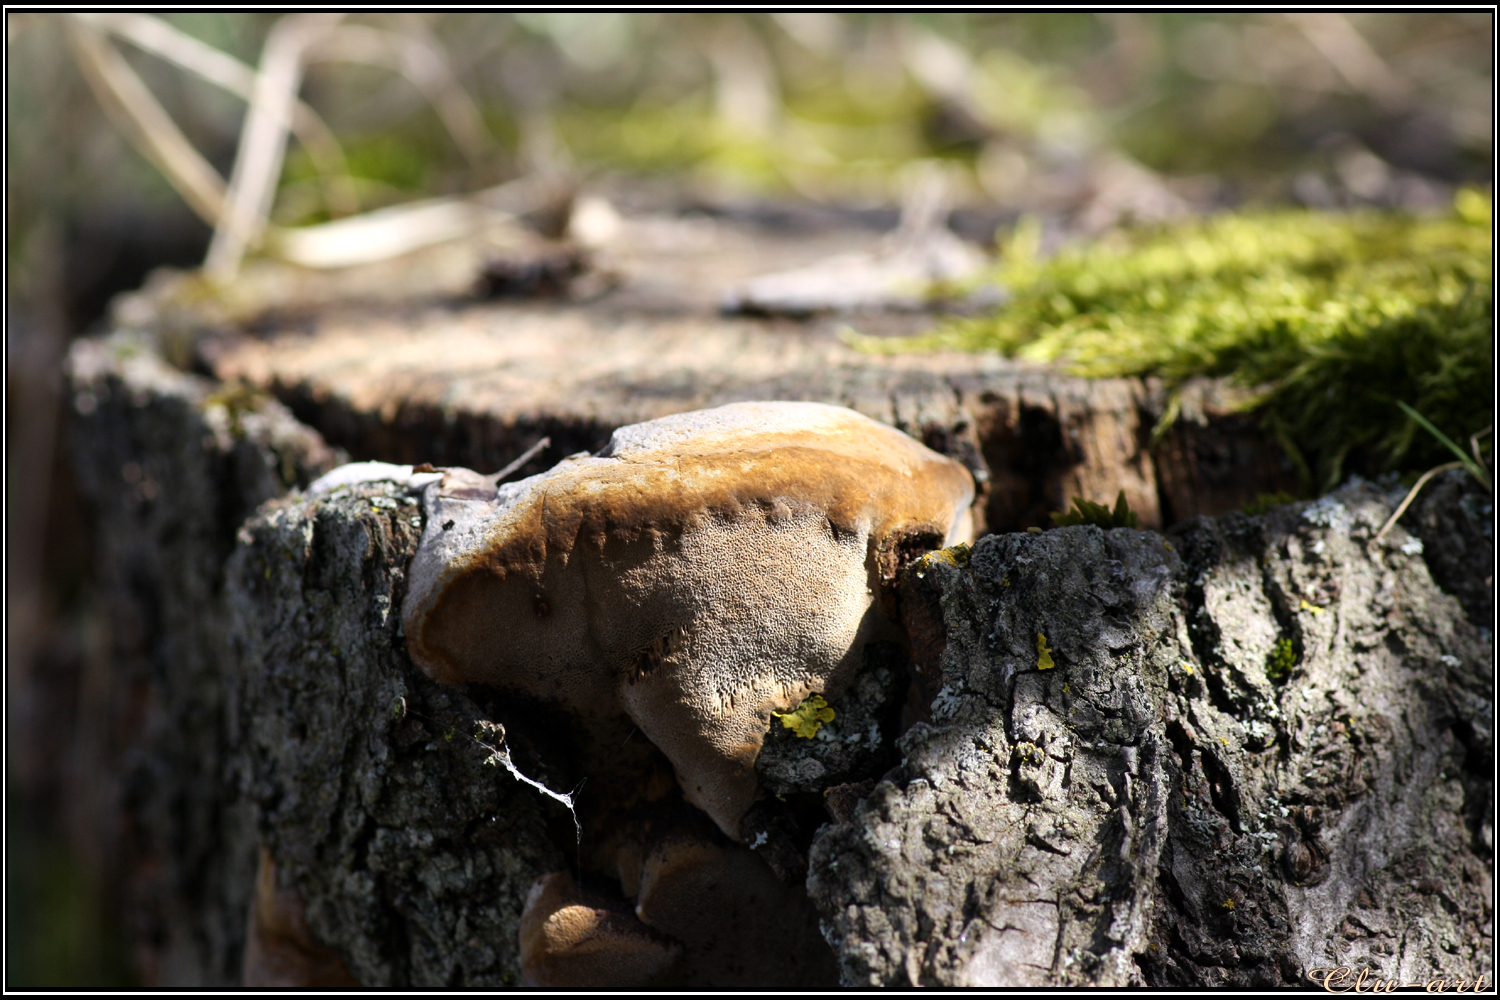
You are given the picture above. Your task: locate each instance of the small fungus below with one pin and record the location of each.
(571, 938)
(280, 949)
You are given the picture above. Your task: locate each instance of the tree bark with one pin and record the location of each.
(1264, 744)
(1159, 807)
(377, 792)
(173, 467)
(1169, 804)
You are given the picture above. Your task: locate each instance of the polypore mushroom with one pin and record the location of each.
(699, 573)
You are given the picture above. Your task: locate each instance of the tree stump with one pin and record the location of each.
(1264, 744)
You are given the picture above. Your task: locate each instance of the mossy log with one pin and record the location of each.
(414, 361)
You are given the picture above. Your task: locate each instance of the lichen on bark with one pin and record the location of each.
(378, 792)
(1157, 810)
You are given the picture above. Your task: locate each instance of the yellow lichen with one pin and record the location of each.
(1311, 607)
(955, 555)
(807, 718)
(1043, 654)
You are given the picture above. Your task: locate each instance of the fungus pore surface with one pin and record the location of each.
(699, 573)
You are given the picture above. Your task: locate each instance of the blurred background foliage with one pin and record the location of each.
(1081, 120)
(1321, 109)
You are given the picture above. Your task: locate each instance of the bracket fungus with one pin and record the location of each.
(699, 573)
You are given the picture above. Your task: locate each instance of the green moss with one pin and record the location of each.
(1332, 317)
(383, 168)
(1088, 512)
(1265, 501)
(1282, 661)
(237, 399)
(824, 134)
(62, 929)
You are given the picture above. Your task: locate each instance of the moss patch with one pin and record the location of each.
(1088, 512)
(1282, 661)
(237, 399)
(1333, 317)
(1265, 501)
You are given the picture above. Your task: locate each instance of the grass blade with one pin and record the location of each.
(1475, 469)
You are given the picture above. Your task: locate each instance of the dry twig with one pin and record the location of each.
(257, 165)
(152, 34)
(1412, 495)
(422, 62)
(141, 117)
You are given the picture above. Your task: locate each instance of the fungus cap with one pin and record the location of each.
(701, 571)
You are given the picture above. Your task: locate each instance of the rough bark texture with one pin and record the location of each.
(1263, 747)
(1159, 807)
(174, 467)
(1317, 789)
(378, 793)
